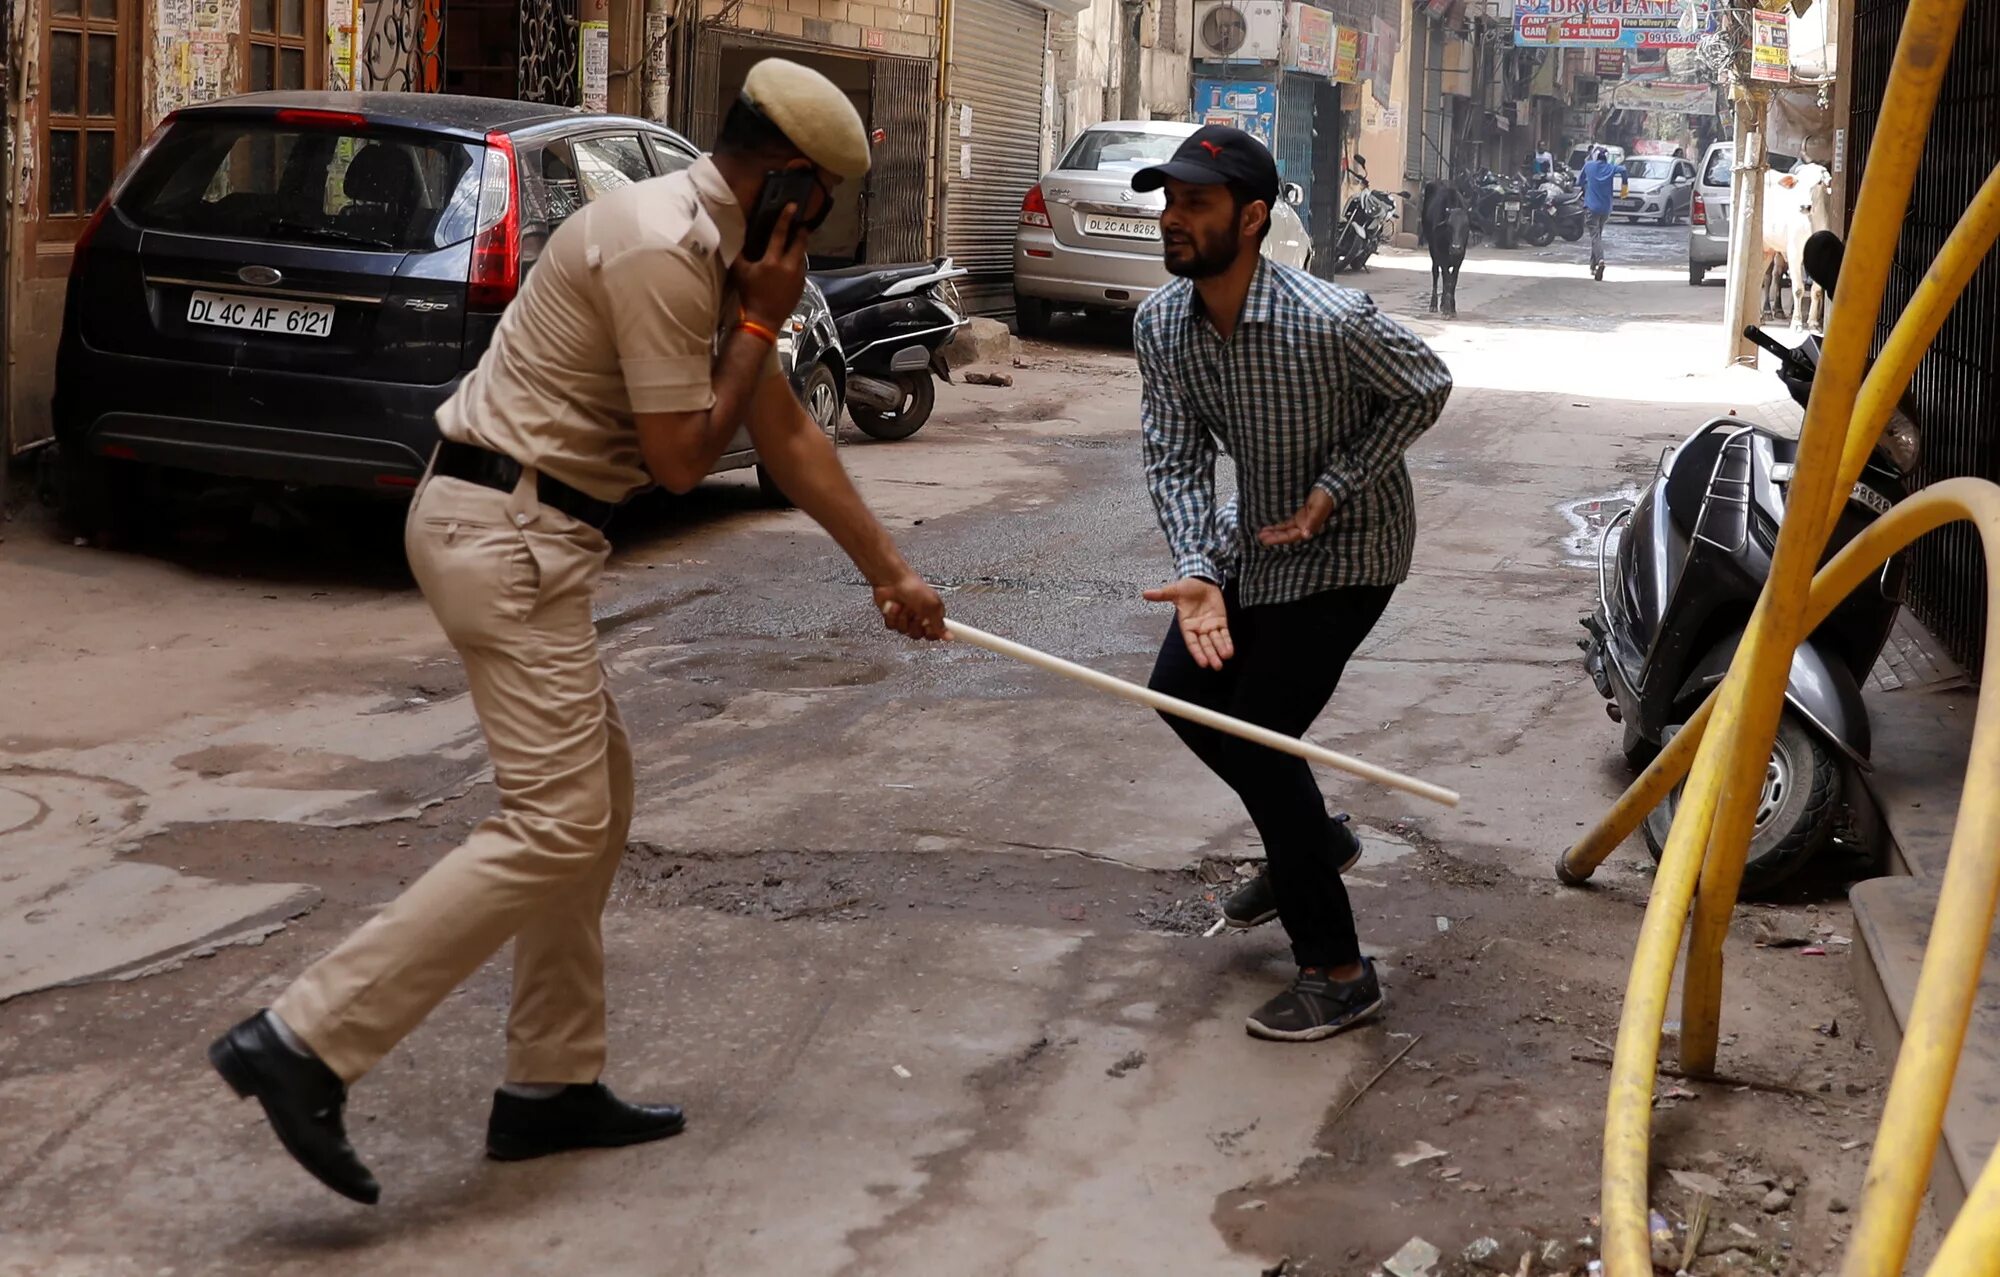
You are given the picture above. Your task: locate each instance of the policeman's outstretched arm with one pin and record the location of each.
(801, 459)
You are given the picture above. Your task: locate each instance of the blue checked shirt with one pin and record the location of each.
(1315, 389)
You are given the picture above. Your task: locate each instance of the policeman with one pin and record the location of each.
(641, 342)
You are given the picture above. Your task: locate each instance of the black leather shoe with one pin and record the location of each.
(303, 1100)
(585, 1115)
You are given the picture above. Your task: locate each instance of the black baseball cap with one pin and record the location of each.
(1215, 155)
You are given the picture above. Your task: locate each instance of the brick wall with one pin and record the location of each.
(905, 27)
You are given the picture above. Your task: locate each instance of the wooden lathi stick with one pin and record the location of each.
(1200, 714)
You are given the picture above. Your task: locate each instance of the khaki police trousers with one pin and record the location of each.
(511, 583)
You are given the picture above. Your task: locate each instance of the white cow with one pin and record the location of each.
(1795, 205)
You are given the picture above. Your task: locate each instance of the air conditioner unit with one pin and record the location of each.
(1238, 30)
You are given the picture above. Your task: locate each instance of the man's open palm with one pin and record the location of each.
(1303, 526)
(1204, 619)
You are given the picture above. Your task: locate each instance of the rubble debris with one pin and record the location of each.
(1420, 1152)
(1700, 1182)
(1482, 1249)
(987, 379)
(1126, 1063)
(1777, 929)
(1417, 1258)
(900, 1071)
(1776, 1202)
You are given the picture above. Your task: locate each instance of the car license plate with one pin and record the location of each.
(1122, 227)
(260, 314)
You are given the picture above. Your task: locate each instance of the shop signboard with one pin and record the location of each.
(1659, 95)
(1308, 40)
(1250, 105)
(1610, 64)
(1770, 48)
(1347, 55)
(1610, 24)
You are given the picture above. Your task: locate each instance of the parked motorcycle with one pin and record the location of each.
(1690, 563)
(1495, 204)
(1366, 224)
(894, 322)
(1551, 211)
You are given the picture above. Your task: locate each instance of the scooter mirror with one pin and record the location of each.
(1823, 254)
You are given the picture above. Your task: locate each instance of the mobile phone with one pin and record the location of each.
(781, 187)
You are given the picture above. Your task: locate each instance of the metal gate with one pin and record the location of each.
(902, 104)
(993, 140)
(1955, 395)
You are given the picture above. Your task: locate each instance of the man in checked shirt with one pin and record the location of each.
(1315, 395)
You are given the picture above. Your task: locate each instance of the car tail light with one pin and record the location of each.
(496, 240)
(1035, 209)
(308, 119)
(118, 184)
(1698, 214)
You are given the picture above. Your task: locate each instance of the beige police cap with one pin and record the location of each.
(812, 112)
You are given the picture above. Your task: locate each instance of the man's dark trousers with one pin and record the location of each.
(1289, 658)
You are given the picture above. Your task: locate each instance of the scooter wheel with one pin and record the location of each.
(1795, 813)
(919, 397)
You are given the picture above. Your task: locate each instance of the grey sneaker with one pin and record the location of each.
(1316, 1007)
(1255, 903)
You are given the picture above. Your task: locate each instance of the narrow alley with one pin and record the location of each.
(915, 934)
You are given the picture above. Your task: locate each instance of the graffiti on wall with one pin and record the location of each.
(402, 46)
(549, 43)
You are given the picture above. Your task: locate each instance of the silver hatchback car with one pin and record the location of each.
(1088, 241)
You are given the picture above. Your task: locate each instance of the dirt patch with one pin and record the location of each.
(1025, 889)
(1508, 1004)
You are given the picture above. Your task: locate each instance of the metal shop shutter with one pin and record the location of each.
(996, 76)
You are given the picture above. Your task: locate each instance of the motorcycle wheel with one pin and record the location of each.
(1571, 234)
(1540, 236)
(919, 396)
(1795, 813)
(821, 397)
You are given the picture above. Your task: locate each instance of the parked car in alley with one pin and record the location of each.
(1657, 187)
(1087, 241)
(1708, 217)
(286, 286)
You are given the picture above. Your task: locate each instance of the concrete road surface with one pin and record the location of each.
(911, 931)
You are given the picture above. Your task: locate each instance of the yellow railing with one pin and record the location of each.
(1703, 861)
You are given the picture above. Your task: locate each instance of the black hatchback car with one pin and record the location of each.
(286, 286)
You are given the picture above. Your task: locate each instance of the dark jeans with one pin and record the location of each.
(1289, 658)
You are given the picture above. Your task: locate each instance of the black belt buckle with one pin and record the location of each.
(500, 472)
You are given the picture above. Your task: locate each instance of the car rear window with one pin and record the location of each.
(259, 179)
(1121, 149)
(1723, 158)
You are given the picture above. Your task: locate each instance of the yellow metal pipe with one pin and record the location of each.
(1751, 696)
(1978, 227)
(1764, 658)
(1972, 1247)
(1906, 1141)
(1945, 991)
(1919, 323)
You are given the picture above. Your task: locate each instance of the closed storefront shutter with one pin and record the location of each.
(898, 190)
(994, 157)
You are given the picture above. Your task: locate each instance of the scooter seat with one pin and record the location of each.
(1692, 467)
(855, 287)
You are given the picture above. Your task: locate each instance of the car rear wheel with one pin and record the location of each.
(1697, 275)
(100, 499)
(1031, 316)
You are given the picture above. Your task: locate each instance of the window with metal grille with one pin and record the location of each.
(88, 123)
(1955, 394)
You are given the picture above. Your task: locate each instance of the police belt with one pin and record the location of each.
(489, 469)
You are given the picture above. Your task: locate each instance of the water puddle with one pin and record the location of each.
(1587, 519)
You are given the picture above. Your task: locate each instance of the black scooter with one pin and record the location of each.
(894, 322)
(1693, 557)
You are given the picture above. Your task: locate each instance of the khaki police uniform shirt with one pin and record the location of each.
(619, 316)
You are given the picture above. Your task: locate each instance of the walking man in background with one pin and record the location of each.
(1600, 178)
(1316, 396)
(641, 342)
